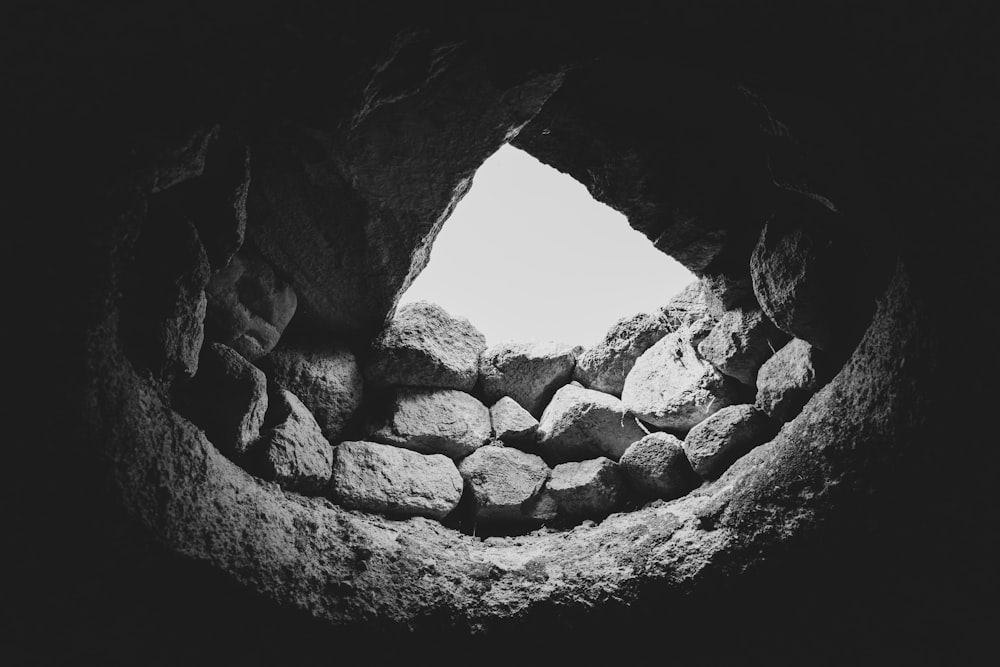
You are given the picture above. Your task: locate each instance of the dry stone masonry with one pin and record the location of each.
(529, 434)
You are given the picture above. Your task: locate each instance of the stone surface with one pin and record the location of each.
(433, 421)
(671, 387)
(228, 399)
(248, 306)
(424, 346)
(582, 423)
(294, 453)
(729, 292)
(604, 366)
(740, 342)
(165, 294)
(397, 482)
(714, 444)
(656, 467)
(503, 481)
(798, 271)
(789, 379)
(326, 379)
(692, 309)
(589, 489)
(529, 373)
(512, 424)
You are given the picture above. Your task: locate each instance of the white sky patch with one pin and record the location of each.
(529, 255)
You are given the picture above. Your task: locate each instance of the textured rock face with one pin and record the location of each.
(740, 343)
(228, 399)
(512, 424)
(326, 379)
(729, 292)
(582, 423)
(714, 444)
(294, 453)
(382, 184)
(398, 482)
(789, 379)
(424, 346)
(433, 421)
(248, 307)
(798, 277)
(670, 386)
(656, 467)
(692, 304)
(504, 482)
(605, 366)
(529, 373)
(587, 489)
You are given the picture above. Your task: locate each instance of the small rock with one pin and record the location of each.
(581, 423)
(398, 482)
(248, 307)
(433, 421)
(326, 379)
(295, 454)
(424, 346)
(228, 399)
(587, 489)
(604, 366)
(512, 424)
(671, 387)
(741, 341)
(527, 372)
(503, 480)
(729, 292)
(690, 306)
(657, 467)
(787, 381)
(543, 507)
(716, 443)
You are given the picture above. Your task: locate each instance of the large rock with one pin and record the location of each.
(527, 372)
(604, 366)
(802, 278)
(433, 421)
(227, 398)
(503, 481)
(398, 482)
(671, 387)
(424, 346)
(740, 342)
(582, 423)
(587, 489)
(788, 379)
(713, 445)
(656, 467)
(327, 380)
(294, 453)
(248, 306)
(512, 424)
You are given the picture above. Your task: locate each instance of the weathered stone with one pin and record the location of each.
(294, 453)
(728, 292)
(789, 379)
(228, 399)
(581, 423)
(165, 295)
(433, 421)
(604, 366)
(740, 342)
(512, 424)
(656, 467)
(326, 379)
(543, 507)
(503, 481)
(398, 482)
(424, 346)
(248, 306)
(587, 489)
(799, 277)
(527, 372)
(671, 387)
(714, 444)
(688, 306)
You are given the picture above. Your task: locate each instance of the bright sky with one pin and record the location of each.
(528, 255)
